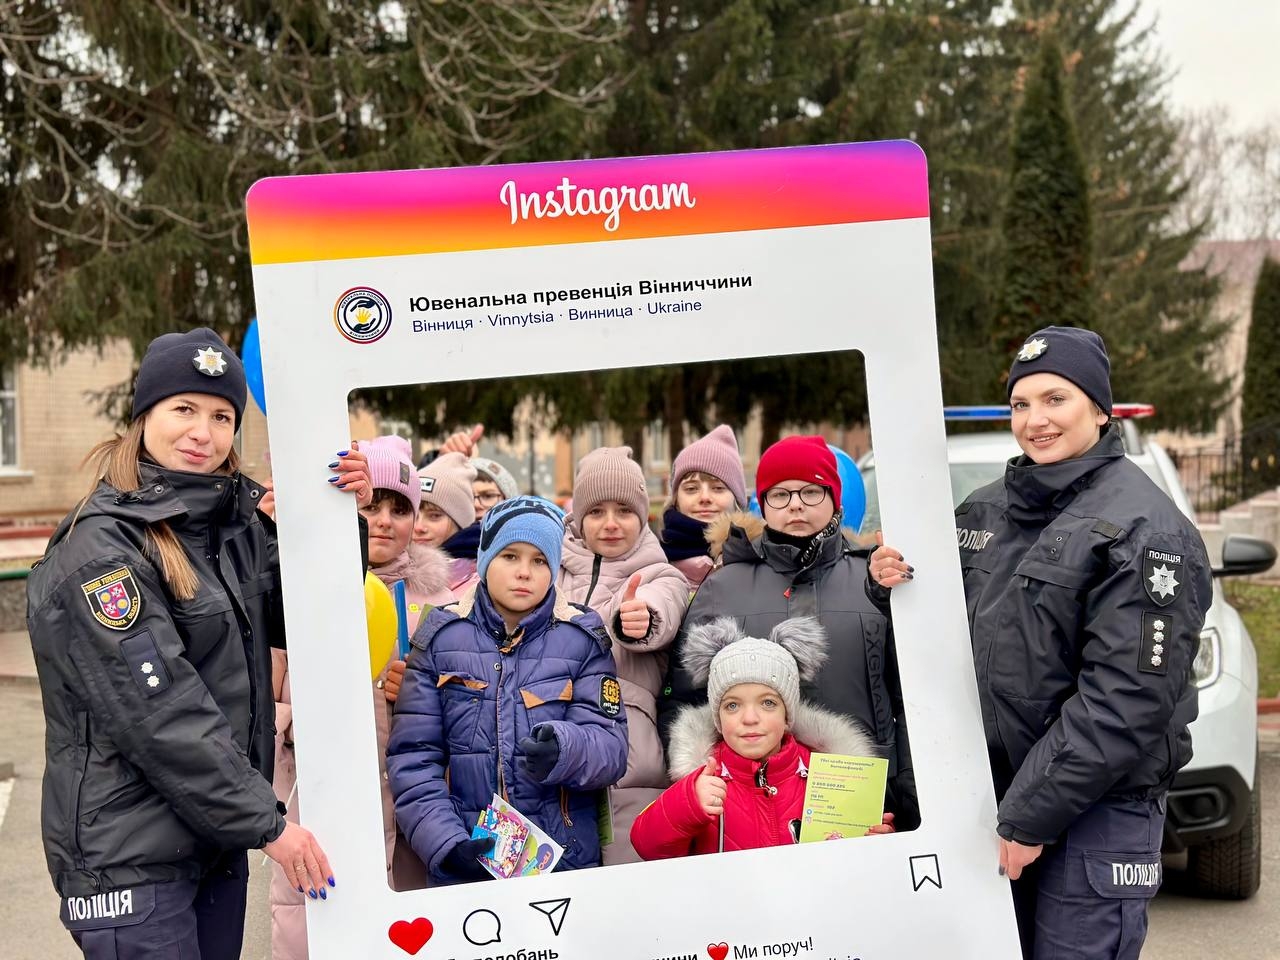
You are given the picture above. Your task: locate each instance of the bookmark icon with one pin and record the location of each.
(925, 869)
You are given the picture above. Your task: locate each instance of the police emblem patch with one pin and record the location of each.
(1033, 348)
(114, 599)
(1157, 637)
(610, 697)
(209, 362)
(1161, 575)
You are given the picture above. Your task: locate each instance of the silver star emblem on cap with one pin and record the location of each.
(1033, 348)
(209, 362)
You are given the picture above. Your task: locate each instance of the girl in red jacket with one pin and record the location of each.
(741, 759)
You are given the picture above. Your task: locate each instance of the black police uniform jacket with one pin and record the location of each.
(763, 582)
(1086, 590)
(159, 713)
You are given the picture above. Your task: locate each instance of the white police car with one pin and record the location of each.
(1214, 804)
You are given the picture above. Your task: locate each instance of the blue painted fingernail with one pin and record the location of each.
(342, 486)
(324, 894)
(910, 568)
(312, 894)
(334, 479)
(332, 882)
(334, 465)
(1002, 871)
(342, 453)
(300, 890)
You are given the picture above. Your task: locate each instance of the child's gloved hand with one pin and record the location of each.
(633, 614)
(461, 861)
(710, 789)
(541, 751)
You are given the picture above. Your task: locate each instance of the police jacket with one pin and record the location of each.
(472, 692)
(763, 582)
(158, 712)
(1086, 590)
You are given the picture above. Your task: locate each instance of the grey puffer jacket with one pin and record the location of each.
(762, 583)
(158, 712)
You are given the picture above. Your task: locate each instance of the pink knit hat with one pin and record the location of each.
(609, 473)
(391, 467)
(446, 483)
(715, 454)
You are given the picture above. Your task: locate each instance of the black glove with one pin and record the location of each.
(461, 862)
(541, 751)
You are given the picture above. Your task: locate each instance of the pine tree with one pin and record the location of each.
(1047, 270)
(1260, 396)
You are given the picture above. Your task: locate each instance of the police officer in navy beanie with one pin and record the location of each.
(198, 361)
(1086, 589)
(1078, 355)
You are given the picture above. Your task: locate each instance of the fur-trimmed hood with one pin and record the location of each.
(423, 569)
(561, 608)
(694, 736)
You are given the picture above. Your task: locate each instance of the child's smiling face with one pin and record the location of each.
(611, 529)
(753, 720)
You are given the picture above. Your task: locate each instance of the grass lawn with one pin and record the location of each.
(1259, 606)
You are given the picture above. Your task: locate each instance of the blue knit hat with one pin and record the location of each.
(1077, 354)
(523, 519)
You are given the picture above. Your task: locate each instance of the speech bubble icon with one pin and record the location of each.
(482, 927)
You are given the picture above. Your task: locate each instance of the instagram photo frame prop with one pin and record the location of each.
(380, 279)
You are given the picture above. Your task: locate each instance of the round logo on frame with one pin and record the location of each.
(362, 315)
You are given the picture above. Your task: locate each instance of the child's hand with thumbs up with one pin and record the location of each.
(710, 789)
(634, 614)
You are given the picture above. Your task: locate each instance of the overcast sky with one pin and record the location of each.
(1225, 52)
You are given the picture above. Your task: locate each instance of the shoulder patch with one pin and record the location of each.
(1161, 575)
(610, 696)
(114, 598)
(1153, 656)
(145, 666)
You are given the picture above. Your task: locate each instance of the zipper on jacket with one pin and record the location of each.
(501, 779)
(84, 769)
(595, 578)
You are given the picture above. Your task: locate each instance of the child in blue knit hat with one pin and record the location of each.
(513, 691)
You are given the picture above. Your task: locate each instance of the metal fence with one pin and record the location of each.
(1220, 476)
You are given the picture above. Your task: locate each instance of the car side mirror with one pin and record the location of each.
(1244, 555)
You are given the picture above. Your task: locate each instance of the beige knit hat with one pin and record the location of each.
(446, 483)
(609, 473)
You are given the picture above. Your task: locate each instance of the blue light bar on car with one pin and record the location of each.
(1121, 411)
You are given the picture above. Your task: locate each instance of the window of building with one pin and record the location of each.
(8, 417)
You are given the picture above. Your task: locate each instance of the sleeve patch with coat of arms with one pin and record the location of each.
(114, 599)
(610, 696)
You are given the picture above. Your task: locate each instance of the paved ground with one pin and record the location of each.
(1182, 928)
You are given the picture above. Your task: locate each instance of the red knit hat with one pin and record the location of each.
(798, 458)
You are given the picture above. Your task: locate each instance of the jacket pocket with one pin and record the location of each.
(462, 705)
(548, 697)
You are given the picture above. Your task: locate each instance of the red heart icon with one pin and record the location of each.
(412, 935)
(718, 951)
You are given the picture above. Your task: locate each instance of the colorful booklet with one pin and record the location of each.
(844, 796)
(520, 847)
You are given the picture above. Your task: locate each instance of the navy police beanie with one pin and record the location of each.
(198, 361)
(1074, 353)
(523, 519)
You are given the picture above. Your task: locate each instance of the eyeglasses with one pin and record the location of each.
(810, 495)
(487, 499)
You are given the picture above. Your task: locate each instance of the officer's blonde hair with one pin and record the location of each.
(116, 461)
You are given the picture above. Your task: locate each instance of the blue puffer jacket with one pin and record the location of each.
(471, 692)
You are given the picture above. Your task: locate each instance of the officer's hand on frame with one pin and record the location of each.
(351, 474)
(268, 502)
(1016, 857)
(304, 863)
(887, 567)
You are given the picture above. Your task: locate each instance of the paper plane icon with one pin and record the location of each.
(555, 911)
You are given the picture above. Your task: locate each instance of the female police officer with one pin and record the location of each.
(150, 616)
(1086, 591)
